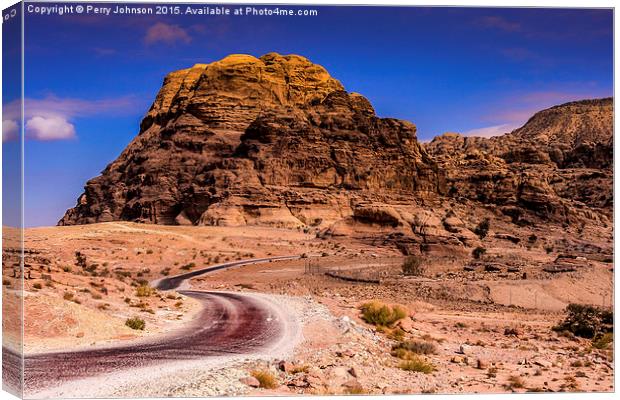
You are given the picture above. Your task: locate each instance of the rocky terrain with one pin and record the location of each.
(276, 141)
(489, 327)
(255, 157)
(553, 168)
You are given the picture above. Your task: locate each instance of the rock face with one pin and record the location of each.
(558, 166)
(277, 141)
(273, 140)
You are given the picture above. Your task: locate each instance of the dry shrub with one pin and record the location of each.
(413, 266)
(417, 364)
(515, 382)
(380, 314)
(136, 323)
(603, 341)
(144, 291)
(416, 347)
(265, 379)
(482, 230)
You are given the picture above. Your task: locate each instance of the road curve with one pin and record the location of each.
(173, 282)
(229, 323)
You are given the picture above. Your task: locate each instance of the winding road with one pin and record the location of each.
(229, 323)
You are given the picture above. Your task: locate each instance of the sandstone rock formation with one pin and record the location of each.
(277, 141)
(558, 166)
(273, 140)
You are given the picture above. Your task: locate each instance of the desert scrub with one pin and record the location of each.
(136, 323)
(415, 346)
(37, 286)
(379, 314)
(482, 230)
(68, 296)
(80, 259)
(514, 382)
(265, 379)
(603, 341)
(144, 291)
(586, 321)
(356, 389)
(189, 266)
(396, 334)
(413, 266)
(298, 369)
(417, 364)
(478, 252)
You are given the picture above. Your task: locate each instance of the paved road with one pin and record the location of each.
(230, 323)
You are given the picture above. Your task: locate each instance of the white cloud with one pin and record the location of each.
(49, 128)
(10, 130)
(490, 131)
(50, 118)
(166, 33)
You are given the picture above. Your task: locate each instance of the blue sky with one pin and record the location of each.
(90, 79)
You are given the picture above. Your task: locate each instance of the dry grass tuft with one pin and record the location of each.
(417, 364)
(265, 378)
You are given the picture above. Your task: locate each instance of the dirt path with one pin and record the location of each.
(229, 324)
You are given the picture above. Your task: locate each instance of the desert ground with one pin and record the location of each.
(465, 328)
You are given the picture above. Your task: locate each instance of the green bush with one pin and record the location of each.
(136, 323)
(586, 321)
(379, 314)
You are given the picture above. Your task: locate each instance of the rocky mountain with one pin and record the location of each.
(558, 166)
(273, 140)
(277, 141)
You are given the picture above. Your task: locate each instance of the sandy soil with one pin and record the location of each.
(491, 330)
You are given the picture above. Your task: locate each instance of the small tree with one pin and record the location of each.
(413, 266)
(586, 321)
(482, 230)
